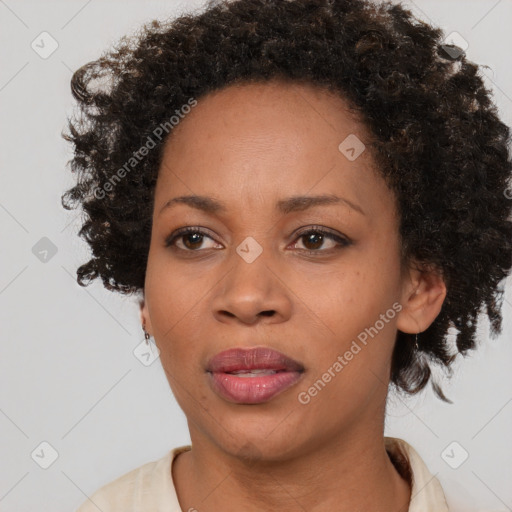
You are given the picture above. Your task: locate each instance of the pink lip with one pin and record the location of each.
(252, 390)
(251, 358)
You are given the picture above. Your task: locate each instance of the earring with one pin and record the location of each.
(416, 346)
(146, 335)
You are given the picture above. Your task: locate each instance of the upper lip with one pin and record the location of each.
(255, 358)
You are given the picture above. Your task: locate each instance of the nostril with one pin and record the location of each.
(267, 313)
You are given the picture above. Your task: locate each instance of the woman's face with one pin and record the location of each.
(247, 279)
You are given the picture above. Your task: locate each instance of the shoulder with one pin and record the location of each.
(426, 491)
(149, 485)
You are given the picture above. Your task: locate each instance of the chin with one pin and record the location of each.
(253, 445)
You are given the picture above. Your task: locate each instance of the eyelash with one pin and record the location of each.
(342, 241)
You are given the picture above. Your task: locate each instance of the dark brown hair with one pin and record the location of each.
(437, 140)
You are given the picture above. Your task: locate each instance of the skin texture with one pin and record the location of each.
(250, 146)
(437, 138)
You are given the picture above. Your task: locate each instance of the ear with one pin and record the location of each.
(423, 294)
(144, 316)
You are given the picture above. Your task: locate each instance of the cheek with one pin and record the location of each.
(174, 293)
(357, 322)
(348, 371)
(354, 297)
(173, 305)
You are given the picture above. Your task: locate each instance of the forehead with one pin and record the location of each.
(265, 139)
(265, 108)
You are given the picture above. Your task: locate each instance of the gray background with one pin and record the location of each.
(69, 374)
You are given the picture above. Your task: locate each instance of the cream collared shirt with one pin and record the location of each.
(150, 487)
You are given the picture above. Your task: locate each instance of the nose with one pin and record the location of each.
(251, 293)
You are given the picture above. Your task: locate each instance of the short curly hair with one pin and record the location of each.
(436, 137)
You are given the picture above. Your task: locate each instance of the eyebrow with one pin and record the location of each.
(288, 205)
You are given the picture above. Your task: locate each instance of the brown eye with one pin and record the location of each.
(315, 238)
(191, 237)
(194, 239)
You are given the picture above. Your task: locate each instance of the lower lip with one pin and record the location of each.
(251, 390)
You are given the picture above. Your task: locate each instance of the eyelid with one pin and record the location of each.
(316, 227)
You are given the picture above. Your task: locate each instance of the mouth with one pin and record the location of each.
(252, 376)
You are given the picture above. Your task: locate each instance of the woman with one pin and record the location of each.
(308, 196)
